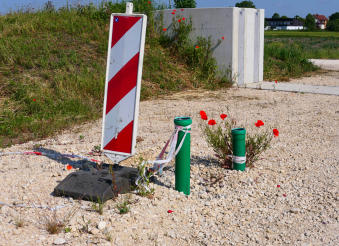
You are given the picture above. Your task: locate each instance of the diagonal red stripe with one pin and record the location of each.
(121, 24)
(122, 83)
(123, 143)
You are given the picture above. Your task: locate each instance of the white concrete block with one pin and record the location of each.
(243, 48)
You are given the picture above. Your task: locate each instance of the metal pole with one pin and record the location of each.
(129, 8)
(239, 148)
(183, 158)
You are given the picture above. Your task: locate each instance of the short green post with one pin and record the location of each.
(183, 158)
(239, 148)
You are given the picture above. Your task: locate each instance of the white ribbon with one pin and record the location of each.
(158, 164)
(239, 159)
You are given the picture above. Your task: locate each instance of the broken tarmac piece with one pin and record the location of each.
(97, 185)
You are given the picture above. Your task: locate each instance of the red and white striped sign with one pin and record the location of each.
(123, 82)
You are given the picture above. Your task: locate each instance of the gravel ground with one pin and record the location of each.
(326, 64)
(225, 207)
(329, 77)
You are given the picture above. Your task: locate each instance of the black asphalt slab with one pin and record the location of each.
(97, 185)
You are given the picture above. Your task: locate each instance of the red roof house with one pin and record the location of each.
(321, 21)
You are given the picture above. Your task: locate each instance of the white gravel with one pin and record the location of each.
(327, 64)
(242, 208)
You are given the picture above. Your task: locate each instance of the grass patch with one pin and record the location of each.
(294, 34)
(52, 68)
(287, 52)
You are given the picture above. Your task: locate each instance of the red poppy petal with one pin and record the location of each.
(223, 38)
(170, 211)
(278, 186)
(197, 46)
(183, 18)
(69, 167)
(164, 29)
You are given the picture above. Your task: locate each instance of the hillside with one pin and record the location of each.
(52, 70)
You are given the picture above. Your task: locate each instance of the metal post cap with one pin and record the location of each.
(183, 121)
(238, 131)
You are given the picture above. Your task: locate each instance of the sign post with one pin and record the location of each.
(123, 82)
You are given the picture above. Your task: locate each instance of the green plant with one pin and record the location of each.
(19, 222)
(143, 182)
(68, 229)
(219, 137)
(81, 137)
(54, 225)
(198, 55)
(85, 226)
(98, 206)
(310, 22)
(185, 3)
(245, 4)
(123, 207)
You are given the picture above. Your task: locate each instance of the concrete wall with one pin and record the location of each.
(242, 50)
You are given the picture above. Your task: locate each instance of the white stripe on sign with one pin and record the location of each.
(119, 117)
(125, 49)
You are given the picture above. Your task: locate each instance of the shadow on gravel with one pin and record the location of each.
(57, 156)
(206, 161)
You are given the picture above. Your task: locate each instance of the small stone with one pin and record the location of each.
(101, 225)
(59, 241)
(94, 231)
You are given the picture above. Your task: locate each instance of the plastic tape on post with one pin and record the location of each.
(158, 164)
(239, 159)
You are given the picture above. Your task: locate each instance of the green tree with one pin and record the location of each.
(284, 17)
(333, 23)
(245, 4)
(275, 16)
(310, 22)
(185, 3)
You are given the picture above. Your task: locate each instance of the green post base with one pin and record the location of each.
(239, 147)
(183, 158)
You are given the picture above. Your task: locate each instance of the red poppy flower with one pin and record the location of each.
(164, 29)
(223, 38)
(275, 132)
(149, 2)
(223, 116)
(278, 186)
(174, 10)
(197, 47)
(284, 195)
(212, 122)
(173, 13)
(179, 20)
(182, 9)
(170, 211)
(276, 81)
(68, 167)
(183, 18)
(259, 123)
(203, 115)
(34, 100)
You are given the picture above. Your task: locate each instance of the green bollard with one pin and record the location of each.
(183, 158)
(239, 148)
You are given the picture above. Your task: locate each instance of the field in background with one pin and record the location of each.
(303, 34)
(287, 52)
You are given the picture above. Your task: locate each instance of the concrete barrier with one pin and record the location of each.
(242, 50)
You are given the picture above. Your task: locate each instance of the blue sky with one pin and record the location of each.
(289, 8)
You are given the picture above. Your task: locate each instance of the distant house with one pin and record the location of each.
(284, 24)
(320, 21)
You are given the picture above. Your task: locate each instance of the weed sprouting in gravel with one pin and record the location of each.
(219, 137)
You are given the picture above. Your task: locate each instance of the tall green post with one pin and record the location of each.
(183, 158)
(239, 148)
